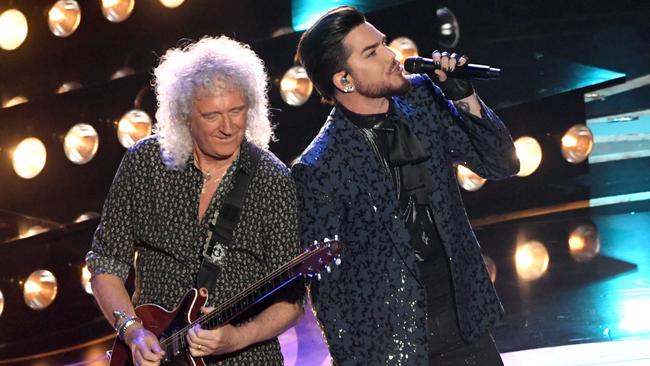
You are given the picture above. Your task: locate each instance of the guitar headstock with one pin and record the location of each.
(319, 256)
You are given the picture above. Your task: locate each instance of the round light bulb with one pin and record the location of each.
(64, 17)
(530, 155)
(295, 86)
(577, 144)
(13, 29)
(29, 158)
(40, 289)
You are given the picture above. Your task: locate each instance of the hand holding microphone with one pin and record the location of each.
(451, 72)
(421, 65)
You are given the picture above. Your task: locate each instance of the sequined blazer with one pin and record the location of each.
(372, 306)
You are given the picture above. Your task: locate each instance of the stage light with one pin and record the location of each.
(81, 143)
(2, 303)
(64, 17)
(467, 179)
(403, 48)
(26, 232)
(14, 101)
(531, 260)
(86, 216)
(530, 155)
(491, 268)
(584, 243)
(295, 86)
(449, 30)
(85, 280)
(68, 86)
(123, 72)
(13, 29)
(29, 158)
(117, 10)
(132, 127)
(171, 3)
(577, 144)
(40, 289)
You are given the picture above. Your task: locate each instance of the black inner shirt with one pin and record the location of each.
(425, 239)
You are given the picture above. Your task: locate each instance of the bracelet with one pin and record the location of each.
(123, 321)
(120, 317)
(121, 332)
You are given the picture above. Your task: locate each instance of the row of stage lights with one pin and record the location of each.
(65, 87)
(80, 143)
(576, 145)
(63, 19)
(531, 261)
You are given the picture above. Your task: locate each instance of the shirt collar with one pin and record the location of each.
(365, 120)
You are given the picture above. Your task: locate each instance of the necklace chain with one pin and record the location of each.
(207, 176)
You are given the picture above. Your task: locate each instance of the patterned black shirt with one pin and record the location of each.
(152, 210)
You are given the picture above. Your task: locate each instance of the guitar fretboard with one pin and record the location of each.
(229, 310)
(245, 301)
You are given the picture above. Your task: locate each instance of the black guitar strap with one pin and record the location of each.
(227, 219)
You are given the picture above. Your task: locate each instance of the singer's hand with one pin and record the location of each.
(454, 88)
(447, 62)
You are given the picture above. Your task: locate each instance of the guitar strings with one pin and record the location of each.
(252, 288)
(232, 300)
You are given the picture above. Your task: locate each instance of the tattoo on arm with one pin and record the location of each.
(463, 106)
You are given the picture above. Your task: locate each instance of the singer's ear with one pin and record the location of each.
(342, 81)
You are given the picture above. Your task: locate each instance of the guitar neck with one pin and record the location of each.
(235, 306)
(244, 301)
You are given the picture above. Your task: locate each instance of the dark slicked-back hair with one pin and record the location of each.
(321, 50)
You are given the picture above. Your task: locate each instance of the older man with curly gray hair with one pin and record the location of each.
(169, 193)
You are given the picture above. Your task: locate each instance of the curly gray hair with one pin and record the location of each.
(184, 71)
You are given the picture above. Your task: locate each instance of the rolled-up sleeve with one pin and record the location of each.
(112, 247)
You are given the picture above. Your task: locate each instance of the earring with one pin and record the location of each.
(349, 88)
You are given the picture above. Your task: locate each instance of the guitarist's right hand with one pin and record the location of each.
(144, 345)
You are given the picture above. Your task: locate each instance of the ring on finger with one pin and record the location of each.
(199, 347)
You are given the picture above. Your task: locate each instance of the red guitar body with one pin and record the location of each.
(163, 323)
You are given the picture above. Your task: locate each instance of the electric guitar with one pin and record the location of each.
(171, 327)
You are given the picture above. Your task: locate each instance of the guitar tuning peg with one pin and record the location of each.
(328, 269)
(315, 241)
(326, 239)
(337, 261)
(318, 276)
(336, 237)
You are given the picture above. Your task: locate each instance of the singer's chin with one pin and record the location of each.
(403, 88)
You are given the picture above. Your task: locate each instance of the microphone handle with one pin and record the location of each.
(469, 71)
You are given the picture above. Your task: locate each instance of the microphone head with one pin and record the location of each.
(413, 65)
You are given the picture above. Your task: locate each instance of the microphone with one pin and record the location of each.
(420, 65)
